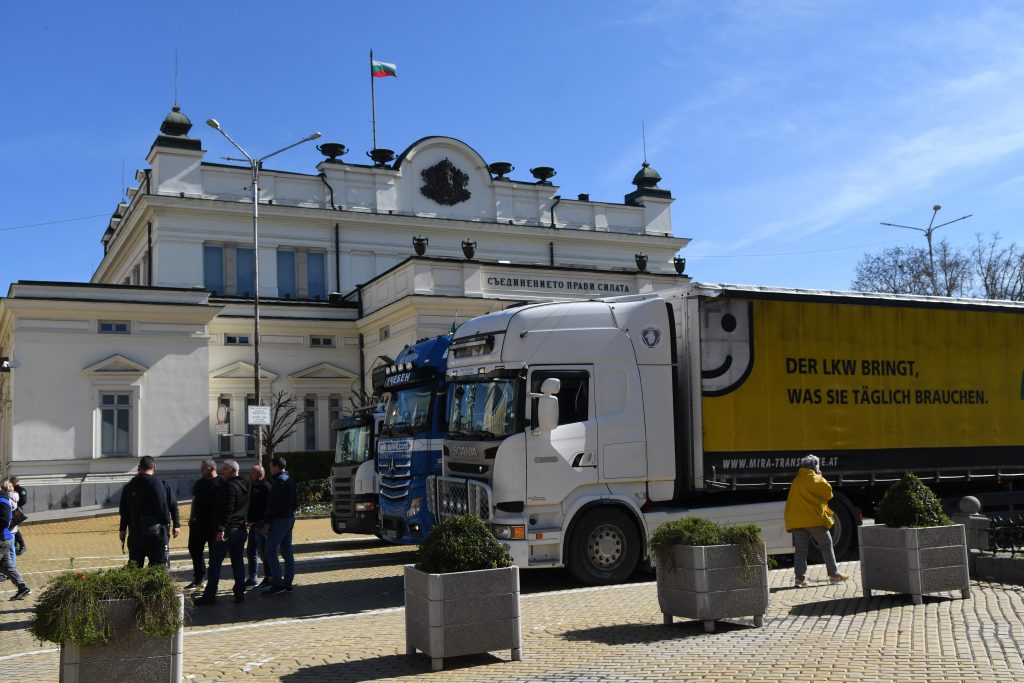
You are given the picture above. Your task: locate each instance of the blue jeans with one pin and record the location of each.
(256, 551)
(280, 538)
(233, 543)
(802, 540)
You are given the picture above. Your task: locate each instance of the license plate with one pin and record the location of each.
(390, 533)
(342, 525)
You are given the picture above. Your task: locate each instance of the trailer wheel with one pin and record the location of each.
(604, 548)
(844, 531)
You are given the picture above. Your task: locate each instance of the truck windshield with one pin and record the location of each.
(482, 410)
(408, 411)
(352, 445)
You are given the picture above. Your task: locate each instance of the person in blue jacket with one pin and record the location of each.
(278, 522)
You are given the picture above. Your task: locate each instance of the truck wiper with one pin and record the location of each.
(480, 434)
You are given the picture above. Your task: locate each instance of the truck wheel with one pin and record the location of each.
(604, 547)
(844, 531)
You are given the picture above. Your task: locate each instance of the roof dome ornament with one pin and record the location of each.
(647, 177)
(175, 123)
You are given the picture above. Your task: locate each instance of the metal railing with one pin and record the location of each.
(1006, 532)
(453, 497)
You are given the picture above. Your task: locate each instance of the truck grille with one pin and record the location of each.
(395, 478)
(451, 497)
(341, 494)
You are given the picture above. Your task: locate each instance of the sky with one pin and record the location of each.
(786, 131)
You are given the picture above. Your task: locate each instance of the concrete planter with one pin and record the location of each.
(916, 561)
(464, 613)
(131, 654)
(707, 583)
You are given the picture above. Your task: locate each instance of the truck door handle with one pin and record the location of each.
(584, 460)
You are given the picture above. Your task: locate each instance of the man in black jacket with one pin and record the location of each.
(278, 523)
(19, 540)
(200, 522)
(231, 507)
(145, 516)
(256, 543)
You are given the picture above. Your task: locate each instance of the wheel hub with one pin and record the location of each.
(605, 546)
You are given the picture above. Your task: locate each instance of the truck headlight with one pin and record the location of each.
(414, 507)
(365, 507)
(509, 532)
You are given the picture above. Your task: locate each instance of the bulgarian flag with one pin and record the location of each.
(382, 69)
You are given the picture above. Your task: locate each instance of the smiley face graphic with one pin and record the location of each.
(727, 349)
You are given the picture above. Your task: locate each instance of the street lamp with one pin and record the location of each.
(928, 235)
(255, 165)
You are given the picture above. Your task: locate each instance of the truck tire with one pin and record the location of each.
(604, 547)
(844, 531)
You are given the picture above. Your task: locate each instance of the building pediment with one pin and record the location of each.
(323, 371)
(241, 370)
(115, 366)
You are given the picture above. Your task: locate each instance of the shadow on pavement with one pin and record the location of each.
(361, 543)
(860, 604)
(315, 600)
(17, 625)
(388, 666)
(633, 634)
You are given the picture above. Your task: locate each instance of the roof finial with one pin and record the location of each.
(643, 132)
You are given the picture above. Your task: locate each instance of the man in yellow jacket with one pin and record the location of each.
(808, 516)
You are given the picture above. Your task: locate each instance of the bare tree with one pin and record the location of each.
(285, 417)
(989, 269)
(999, 269)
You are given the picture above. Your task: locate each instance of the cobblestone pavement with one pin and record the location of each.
(344, 622)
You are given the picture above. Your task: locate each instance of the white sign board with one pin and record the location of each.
(259, 415)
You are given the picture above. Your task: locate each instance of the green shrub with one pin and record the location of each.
(700, 531)
(313, 492)
(309, 465)
(910, 503)
(461, 544)
(69, 609)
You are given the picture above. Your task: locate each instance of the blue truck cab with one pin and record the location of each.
(409, 446)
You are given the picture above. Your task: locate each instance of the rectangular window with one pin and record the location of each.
(383, 333)
(243, 272)
(573, 396)
(310, 407)
(321, 342)
(334, 408)
(113, 327)
(316, 276)
(213, 269)
(286, 274)
(224, 441)
(236, 339)
(115, 421)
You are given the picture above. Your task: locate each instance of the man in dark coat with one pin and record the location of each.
(200, 522)
(230, 509)
(145, 517)
(19, 540)
(256, 543)
(278, 522)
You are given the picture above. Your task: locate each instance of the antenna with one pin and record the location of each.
(643, 132)
(175, 77)
(124, 188)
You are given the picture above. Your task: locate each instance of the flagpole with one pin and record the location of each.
(373, 102)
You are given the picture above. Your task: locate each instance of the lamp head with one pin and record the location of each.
(936, 207)
(213, 123)
(314, 136)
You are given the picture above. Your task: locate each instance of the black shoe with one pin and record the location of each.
(288, 589)
(23, 592)
(195, 585)
(239, 597)
(205, 600)
(265, 584)
(251, 583)
(274, 590)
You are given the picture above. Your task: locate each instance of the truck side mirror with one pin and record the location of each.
(550, 386)
(546, 417)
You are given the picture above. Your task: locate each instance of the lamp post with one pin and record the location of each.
(254, 166)
(928, 235)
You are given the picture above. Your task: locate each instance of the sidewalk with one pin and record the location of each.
(345, 622)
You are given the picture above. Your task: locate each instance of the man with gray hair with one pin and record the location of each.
(808, 516)
(231, 506)
(200, 521)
